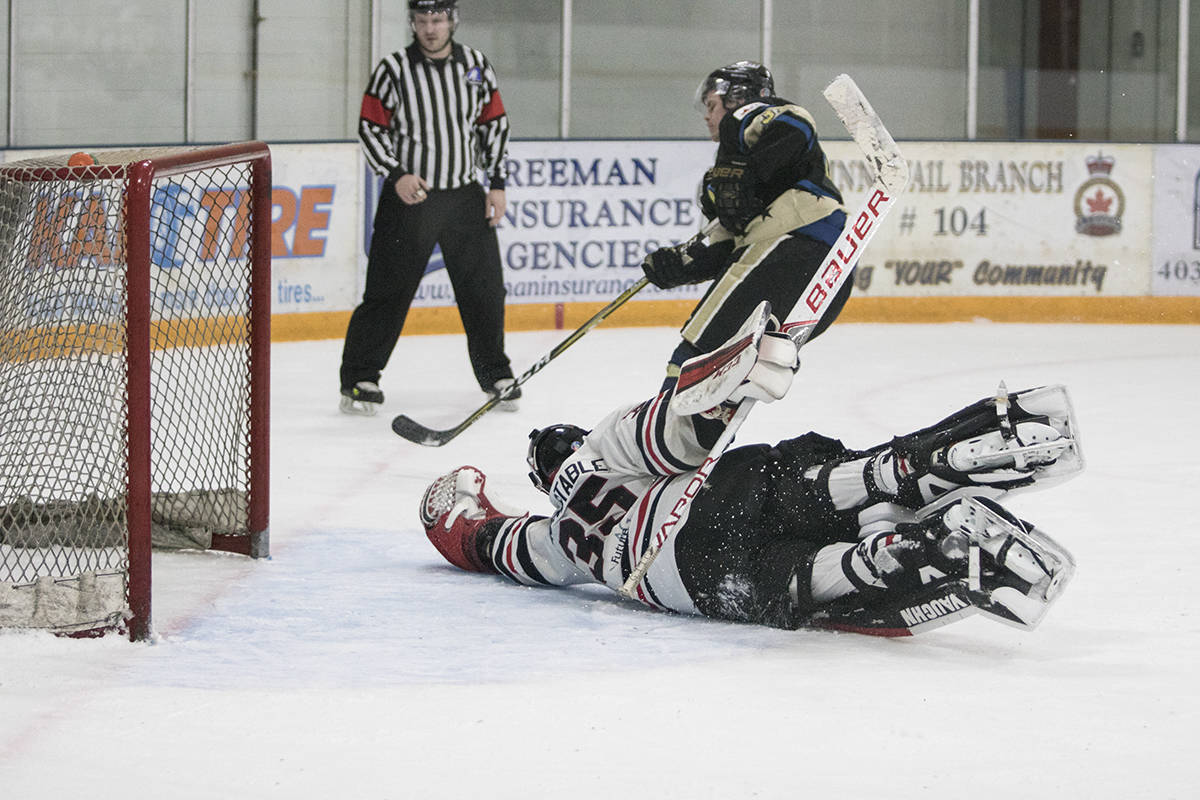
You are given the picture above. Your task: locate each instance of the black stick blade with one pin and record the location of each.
(417, 433)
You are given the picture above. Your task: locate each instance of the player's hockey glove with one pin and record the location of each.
(758, 362)
(730, 187)
(680, 265)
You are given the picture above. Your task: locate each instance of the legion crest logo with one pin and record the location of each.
(1099, 201)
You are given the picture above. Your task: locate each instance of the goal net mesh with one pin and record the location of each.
(66, 406)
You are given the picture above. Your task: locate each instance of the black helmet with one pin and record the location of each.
(548, 449)
(737, 83)
(433, 7)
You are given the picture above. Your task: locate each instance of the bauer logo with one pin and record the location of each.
(1099, 201)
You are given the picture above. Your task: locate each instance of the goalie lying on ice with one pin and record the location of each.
(893, 540)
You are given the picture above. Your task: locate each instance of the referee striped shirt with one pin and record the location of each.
(443, 120)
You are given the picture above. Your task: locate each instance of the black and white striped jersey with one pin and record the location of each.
(442, 120)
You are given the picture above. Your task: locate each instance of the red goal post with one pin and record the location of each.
(134, 375)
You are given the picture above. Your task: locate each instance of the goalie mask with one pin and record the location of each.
(548, 449)
(736, 84)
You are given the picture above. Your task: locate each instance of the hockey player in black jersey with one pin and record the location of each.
(891, 540)
(778, 209)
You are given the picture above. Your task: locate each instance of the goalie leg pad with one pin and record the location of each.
(938, 603)
(1003, 443)
(965, 556)
(1015, 572)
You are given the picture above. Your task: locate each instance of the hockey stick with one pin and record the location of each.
(413, 431)
(891, 176)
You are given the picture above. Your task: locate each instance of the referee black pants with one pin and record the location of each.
(401, 243)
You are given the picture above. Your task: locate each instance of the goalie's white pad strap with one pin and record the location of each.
(828, 580)
(772, 373)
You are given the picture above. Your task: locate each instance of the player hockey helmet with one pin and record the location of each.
(433, 7)
(548, 449)
(737, 83)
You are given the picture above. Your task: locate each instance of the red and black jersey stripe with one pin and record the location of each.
(652, 439)
(510, 552)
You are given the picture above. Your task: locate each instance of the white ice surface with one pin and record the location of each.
(356, 664)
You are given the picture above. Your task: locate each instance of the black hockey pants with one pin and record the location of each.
(757, 522)
(403, 239)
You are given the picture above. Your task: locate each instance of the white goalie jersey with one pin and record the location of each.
(802, 533)
(610, 496)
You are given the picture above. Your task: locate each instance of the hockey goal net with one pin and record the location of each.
(134, 364)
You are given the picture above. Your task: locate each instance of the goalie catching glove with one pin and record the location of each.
(758, 362)
(460, 520)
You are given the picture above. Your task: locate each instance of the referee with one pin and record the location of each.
(429, 112)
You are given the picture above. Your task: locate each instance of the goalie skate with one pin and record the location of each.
(1033, 444)
(1001, 444)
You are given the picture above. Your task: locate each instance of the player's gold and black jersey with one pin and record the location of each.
(440, 119)
(779, 142)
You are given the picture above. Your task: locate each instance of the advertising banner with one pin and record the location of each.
(583, 214)
(316, 227)
(978, 219)
(1004, 219)
(1176, 266)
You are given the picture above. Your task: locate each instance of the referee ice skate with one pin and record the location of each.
(432, 120)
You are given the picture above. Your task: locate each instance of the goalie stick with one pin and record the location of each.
(891, 176)
(413, 431)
